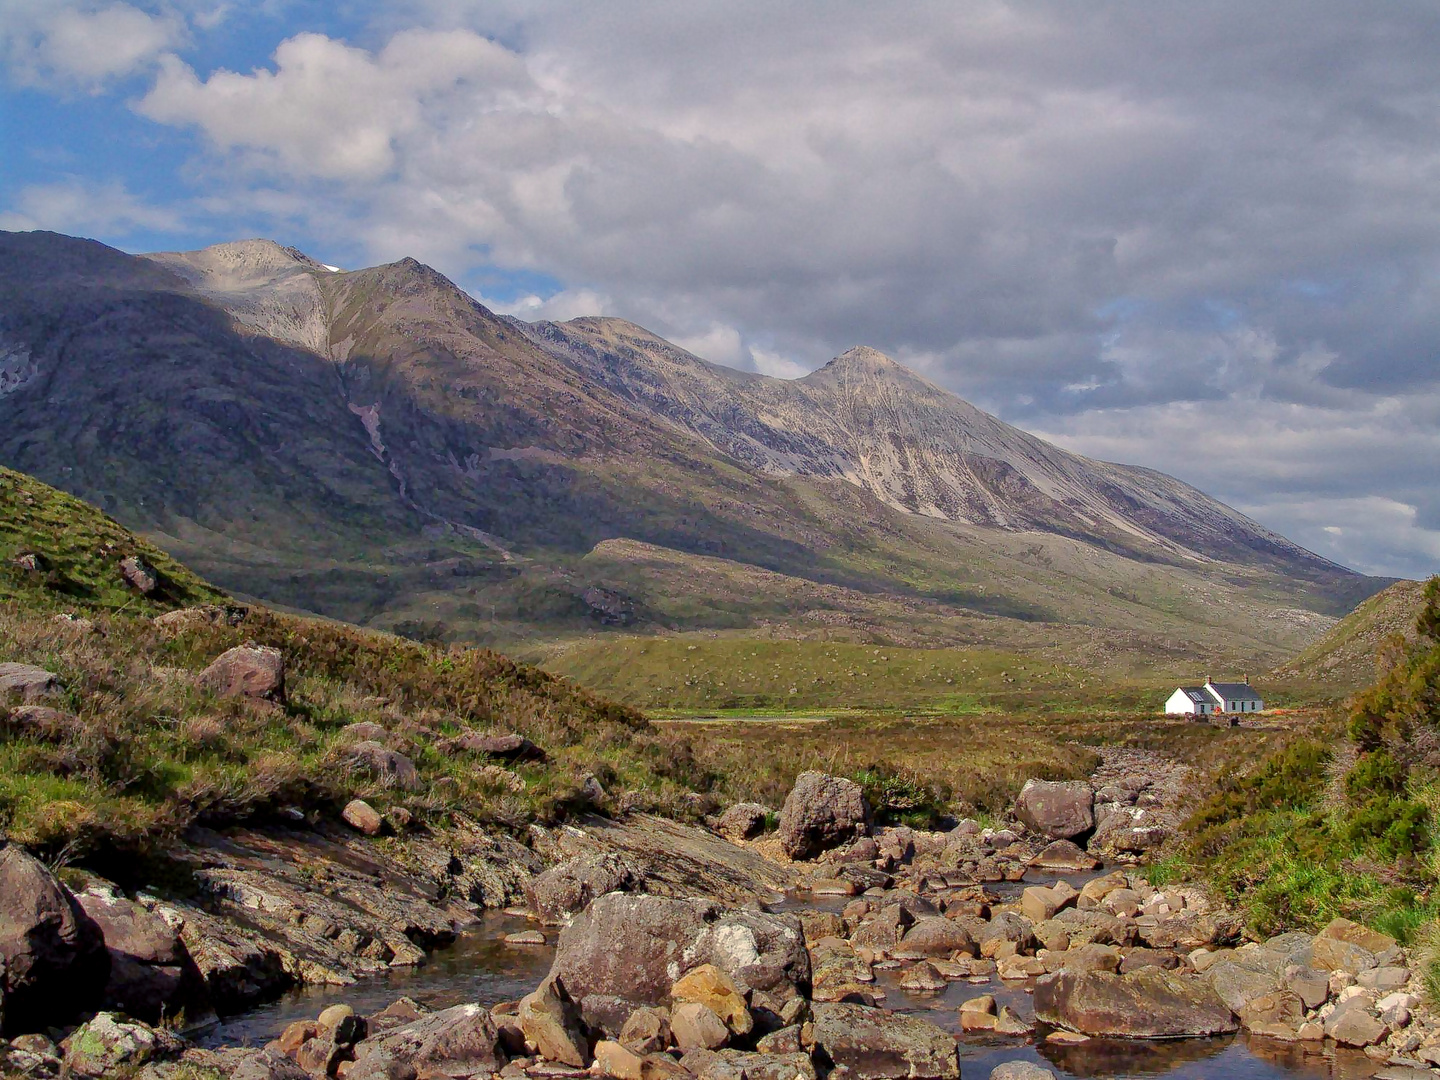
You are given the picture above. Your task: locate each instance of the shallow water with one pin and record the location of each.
(481, 967)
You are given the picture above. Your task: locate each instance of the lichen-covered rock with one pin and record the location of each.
(109, 1043)
(460, 1042)
(1061, 810)
(564, 890)
(821, 812)
(252, 671)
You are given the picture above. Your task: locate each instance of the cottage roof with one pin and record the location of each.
(1196, 694)
(1234, 691)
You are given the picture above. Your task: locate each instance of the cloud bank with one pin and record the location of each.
(1205, 239)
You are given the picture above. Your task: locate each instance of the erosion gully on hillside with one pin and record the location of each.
(828, 947)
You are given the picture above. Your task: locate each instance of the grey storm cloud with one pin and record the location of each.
(1200, 237)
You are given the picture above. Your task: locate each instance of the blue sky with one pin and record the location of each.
(1207, 241)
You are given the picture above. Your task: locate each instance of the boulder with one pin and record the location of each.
(551, 1024)
(362, 817)
(139, 575)
(109, 1044)
(743, 821)
(1353, 1024)
(1061, 810)
(1021, 1070)
(697, 1027)
(821, 812)
(646, 1031)
(627, 950)
(874, 1045)
(1347, 946)
(152, 976)
(1064, 855)
(252, 671)
(27, 683)
(923, 978)
(709, 986)
(562, 891)
(391, 767)
(460, 1042)
(934, 935)
(364, 731)
(505, 746)
(195, 618)
(1146, 1004)
(51, 954)
(1038, 903)
(44, 722)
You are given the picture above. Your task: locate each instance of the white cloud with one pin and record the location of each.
(564, 305)
(84, 208)
(55, 42)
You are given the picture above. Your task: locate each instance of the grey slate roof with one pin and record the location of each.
(1197, 694)
(1235, 691)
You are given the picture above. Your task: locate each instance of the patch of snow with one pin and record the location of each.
(332, 269)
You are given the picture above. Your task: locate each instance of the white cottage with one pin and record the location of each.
(1215, 697)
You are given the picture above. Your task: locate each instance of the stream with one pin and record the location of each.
(481, 967)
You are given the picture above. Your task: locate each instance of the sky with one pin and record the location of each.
(1200, 238)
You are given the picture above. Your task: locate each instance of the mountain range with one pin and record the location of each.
(377, 446)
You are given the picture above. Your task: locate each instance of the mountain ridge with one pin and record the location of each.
(377, 445)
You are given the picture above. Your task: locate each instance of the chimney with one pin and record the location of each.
(1207, 680)
(1245, 678)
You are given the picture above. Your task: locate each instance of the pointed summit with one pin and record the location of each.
(862, 364)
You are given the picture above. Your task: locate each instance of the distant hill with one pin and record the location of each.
(376, 446)
(1344, 659)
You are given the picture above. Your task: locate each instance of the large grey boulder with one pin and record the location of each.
(822, 812)
(252, 671)
(1145, 1004)
(872, 1044)
(51, 954)
(564, 890)
(27, 683)
(625, 951)
(1061, 810)
(151, 974)
(391, 767)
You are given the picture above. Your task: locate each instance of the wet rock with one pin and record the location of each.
(1148, 1004)
(709, 986)
(526, 937)
(1059, 810)
(743, 821)
(390, 767)
(872, 1045)
(562, 891)
(551, 1023)
(1347, 946)
(362, 817)
(52, 958)
(151, 975)
(460, 1042)
(253, 671)
(1009, 1022)
(139, 575)
(109, 1043)
(923, 978)
(821, 812)
(27, 683)
(1064, 855)
(1021, 1070)
(1007, 927)
(625, 951)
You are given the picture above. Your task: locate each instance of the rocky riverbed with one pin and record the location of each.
(648, 949)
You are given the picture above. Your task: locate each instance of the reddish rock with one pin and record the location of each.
(253, 671)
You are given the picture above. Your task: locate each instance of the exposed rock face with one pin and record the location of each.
(1147, 1004)
(253, 671)
(564, 890)
(151, 973)
(1059, 810)
(187, 619)
(52, 955)
(625, 951)
(874, 1045)
(821, 812)
(461, 1042)
(743, 821)
(139, 575)
(27, 683)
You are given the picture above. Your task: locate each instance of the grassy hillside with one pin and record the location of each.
(1344, 659)
(1342, 822)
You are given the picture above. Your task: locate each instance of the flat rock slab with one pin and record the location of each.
(874, 1045)
(27, 683)
(1146, 1004)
